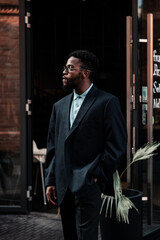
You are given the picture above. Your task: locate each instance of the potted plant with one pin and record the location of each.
(121, 213)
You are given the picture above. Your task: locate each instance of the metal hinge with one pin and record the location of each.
(27, 17)
(29, 193)
(28, 104)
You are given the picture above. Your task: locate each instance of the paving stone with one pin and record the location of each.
(33, 226)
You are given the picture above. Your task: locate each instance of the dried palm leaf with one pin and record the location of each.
(122, 203)
(143, 153)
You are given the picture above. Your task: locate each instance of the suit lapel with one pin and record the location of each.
(66, 114)
(89, 100)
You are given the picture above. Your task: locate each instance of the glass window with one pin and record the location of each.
(145, 7)
(10, 166)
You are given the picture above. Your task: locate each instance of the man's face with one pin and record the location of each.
(72, 75)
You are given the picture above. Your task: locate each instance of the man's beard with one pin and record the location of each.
(67, 87)
(70, 85)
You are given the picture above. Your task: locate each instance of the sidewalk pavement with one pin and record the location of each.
(32, 226)
(47, 226)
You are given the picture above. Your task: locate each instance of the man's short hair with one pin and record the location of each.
(88, 59)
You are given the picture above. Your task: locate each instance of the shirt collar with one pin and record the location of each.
(83, 95)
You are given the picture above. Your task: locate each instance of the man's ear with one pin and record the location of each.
(86, 73)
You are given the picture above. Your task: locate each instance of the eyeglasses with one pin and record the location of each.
(68, 68)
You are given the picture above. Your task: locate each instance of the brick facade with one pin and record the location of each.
(9, 81)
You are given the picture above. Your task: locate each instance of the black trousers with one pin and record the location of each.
(80, 215)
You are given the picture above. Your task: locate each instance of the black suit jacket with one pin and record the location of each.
(93, 147)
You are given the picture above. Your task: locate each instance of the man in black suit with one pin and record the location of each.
(86, 143)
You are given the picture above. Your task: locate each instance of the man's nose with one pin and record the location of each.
(64, 72)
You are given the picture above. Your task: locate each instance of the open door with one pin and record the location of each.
(15, 139)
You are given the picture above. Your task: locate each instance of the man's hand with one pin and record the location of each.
(51, 194)
(95, 180)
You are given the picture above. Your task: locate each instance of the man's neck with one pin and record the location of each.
(83, 88)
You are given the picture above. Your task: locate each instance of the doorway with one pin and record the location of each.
(97, 26)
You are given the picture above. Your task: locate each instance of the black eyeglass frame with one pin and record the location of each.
(68, 68)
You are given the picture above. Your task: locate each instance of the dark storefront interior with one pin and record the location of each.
(98, 26)
(94, 25)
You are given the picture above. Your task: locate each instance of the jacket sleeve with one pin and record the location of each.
(50, 156)
(115, 141)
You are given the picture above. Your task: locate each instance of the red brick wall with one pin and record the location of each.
(10, 2)
(9, 83)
